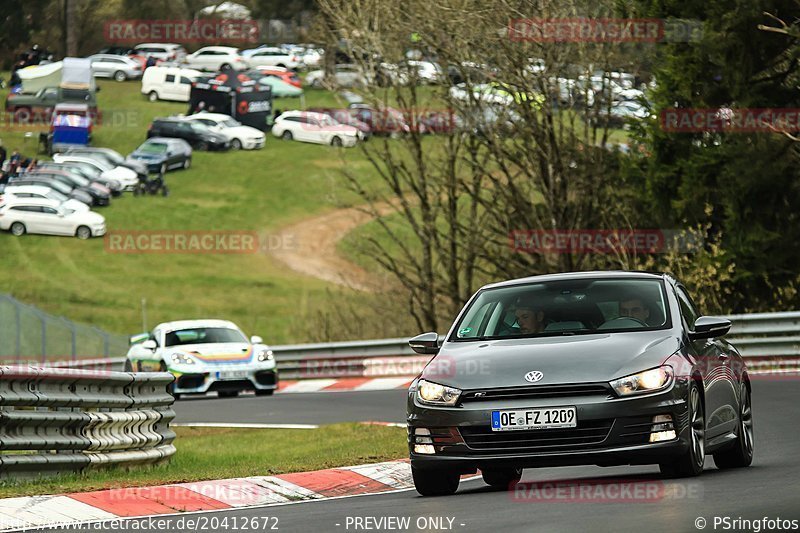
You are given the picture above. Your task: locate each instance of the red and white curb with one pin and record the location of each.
(42, 511)
(344, 384)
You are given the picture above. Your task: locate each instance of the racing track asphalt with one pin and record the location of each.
(769, 488)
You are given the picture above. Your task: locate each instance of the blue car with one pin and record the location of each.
(162, 154)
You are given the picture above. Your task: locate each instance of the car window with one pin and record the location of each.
(203, 336)
(49, 211)
(565, 307)
(688, 309)
(185, 80)
(170, 78)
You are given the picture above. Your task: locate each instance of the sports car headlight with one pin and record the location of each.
(181, 359)
(265, 355)
(436, 394)
(652, 380)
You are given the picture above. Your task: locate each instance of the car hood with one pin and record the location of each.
(140, 156)
(563, 359)
(228, 352)
(243, 131)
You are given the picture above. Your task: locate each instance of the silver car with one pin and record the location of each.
(120, 68)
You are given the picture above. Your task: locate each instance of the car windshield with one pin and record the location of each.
(55, 195)
(199, 127)
(153, 148)
(230, 123)
(203, 336)
(565, 307)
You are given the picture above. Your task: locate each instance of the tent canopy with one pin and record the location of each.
(37, 77)
(234, 94)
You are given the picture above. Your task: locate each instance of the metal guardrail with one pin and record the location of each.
(55, 420)
(766, 334)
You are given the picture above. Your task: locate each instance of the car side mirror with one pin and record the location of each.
(709, 327)
(255, 339)
(426, 343)
(150, 344)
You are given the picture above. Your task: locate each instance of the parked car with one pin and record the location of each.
(84, 171)
(111, 156)
(385, 121)
(271, 57)
(241, 136)
(169, 83)
(49, 217)
(344, 116)
(120, 68)
(285, 75)
(101, 195)
(41, 180)
(312, 57)
(343, 76)
(108, 171)
(197, 134)
(314, 128)
(40, 105)
(205, 356)
(216, 58)
(619, 114)
(162, 154)
(14, 192)
(162, 51)
(587, 368)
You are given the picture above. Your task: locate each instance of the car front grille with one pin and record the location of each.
(588, 433)
(538, 392)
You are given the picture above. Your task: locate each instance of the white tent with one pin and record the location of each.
(77, 73)
(37, 77)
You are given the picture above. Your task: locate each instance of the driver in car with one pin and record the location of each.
(530, 316)
(635, 307)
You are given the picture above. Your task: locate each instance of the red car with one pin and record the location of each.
(283, 74)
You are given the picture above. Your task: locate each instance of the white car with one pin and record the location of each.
(241, 136)
(312, 57)
(13, 193)
(127, 177)
(272, 57)
(161, 51)
(344, 75)
(314, 128)
(205, 356)
(49, 217)
(426, 71)
(216, 58)
(169, 83)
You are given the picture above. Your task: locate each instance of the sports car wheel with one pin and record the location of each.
(171, 388)
(740, 454)
(691, 463)
(501, 478)
(435, 482)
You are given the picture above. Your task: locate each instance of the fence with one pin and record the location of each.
(67, 420)
(27, 333)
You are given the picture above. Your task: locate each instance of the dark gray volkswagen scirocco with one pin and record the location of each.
(605, 368)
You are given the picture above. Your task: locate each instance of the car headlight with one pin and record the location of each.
(652, 380)
(265, 355)
(179, 358)
(435, 394)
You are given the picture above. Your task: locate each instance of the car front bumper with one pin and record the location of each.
(237, 379)
(610, 431)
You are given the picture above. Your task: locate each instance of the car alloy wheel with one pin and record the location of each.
(120, 76)
(740, 453)
(83, 233)
(287, 135)
(153, 96)
(18, 229)
(691, 463)
(236, 144)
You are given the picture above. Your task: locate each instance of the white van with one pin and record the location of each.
(168, 83)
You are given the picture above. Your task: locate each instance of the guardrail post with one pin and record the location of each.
(18, 336)
(106, 341)
(73, 336)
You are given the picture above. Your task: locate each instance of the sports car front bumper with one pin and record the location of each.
(232, 379)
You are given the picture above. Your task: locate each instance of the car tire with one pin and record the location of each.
(163, 169)
(171, 387)
(225, 66)
(435, 482)
(501, 478)
(740, 454)
(18, 229)
(202, 146)
(228, 393)
(287, 135)
(236, 144)
(267, 392)
(83, 233)
(336, 141)
(128, 366)
(23, 115)
(690, 464)
(120, 76)
(153, 96)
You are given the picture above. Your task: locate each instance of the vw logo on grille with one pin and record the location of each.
(533, 376)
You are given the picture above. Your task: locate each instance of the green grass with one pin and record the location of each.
(208, 453)
(246, 190)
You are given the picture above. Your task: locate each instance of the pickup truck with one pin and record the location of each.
(38, 107)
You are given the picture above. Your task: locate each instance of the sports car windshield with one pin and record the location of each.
(565, 307)
(203, 336)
